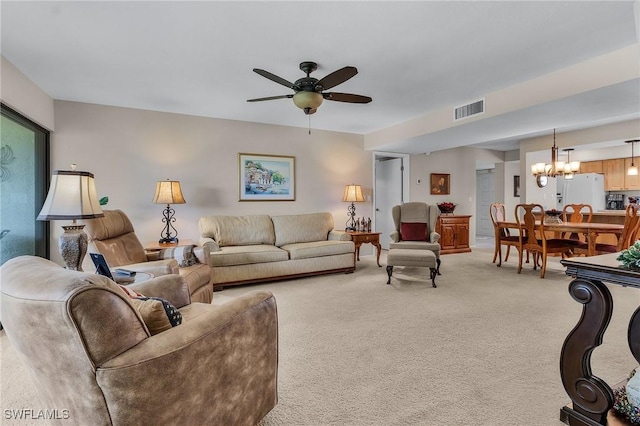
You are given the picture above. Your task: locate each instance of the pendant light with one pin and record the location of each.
(557, 167)
(570, 167)
(633, 170)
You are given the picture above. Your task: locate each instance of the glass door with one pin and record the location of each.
(24, 180)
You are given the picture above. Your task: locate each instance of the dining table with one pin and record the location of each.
(590, 230)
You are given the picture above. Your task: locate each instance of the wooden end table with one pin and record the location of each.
(155, 246)
(372, 238)
(592, 398)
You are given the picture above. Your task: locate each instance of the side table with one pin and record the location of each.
(592, 398)
(156, 246)
(372, 238)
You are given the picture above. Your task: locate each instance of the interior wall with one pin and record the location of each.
(511, 169)
(128, 150)
(21, 94)
(459, 163)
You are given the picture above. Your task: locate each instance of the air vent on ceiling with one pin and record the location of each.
(465, 111)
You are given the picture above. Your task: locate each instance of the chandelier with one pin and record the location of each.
(557, 167)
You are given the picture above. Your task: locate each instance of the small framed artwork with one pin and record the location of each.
(266, 177)
(516, 186)
(440, 184)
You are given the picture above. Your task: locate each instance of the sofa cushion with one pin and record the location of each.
(414, 231)
(238, 230)
(416, 245)
(301, 228)
(246, 255)
(318, 249)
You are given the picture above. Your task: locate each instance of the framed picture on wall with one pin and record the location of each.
(516, 186)
(440, 184)
(266, 177)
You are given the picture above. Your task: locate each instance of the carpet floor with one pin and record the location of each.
(481, 349)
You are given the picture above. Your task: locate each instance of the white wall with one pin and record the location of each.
(459, 163)
(22, 95)
(128, 150)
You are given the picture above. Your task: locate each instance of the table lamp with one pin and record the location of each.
(352, 193)
(168, 192)
(72, 195)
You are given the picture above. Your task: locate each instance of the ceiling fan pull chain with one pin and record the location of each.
(309, 123)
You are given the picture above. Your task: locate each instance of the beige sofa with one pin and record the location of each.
(256, 248)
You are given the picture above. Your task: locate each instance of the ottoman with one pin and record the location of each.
(411, 257)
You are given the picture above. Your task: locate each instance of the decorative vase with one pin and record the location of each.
(73, 246)
(552, 219)
(446, 209)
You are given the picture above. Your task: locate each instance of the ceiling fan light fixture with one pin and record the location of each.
(304, 100)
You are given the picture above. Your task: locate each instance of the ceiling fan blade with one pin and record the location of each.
(273, 77)
(335, 78)
(347, 97)
(270, 98)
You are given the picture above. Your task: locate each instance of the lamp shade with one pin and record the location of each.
(353, 193)
(168, 192)
(72, 195)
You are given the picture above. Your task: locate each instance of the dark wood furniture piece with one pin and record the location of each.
(591, 397)
(454, 233)
(372, 238)
(628, 237)
(502, 236)
(533, 238)
(155, 246)
(592, 231)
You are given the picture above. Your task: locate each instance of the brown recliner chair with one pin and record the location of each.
(90, 352)
(113, 236)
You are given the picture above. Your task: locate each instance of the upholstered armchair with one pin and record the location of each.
(113, 236)
(90, 349)
(415, 227)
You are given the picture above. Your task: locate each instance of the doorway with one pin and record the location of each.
(391, 187)
(485, 181)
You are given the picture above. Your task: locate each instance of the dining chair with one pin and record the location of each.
(503, 236)
(628, 237)
(576, 213)
(529, 218)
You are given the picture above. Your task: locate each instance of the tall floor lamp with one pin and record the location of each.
(168, 192)
(352, 193)
(72, 195)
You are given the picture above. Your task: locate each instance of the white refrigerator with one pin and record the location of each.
(587, 188)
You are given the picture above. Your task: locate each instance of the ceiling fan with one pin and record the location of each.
(309, 91)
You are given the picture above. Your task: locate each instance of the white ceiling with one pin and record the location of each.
(413, 57)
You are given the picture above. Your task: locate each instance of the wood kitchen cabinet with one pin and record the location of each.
(454, 233)
(591, 167)
(614, 174)
(630, 182)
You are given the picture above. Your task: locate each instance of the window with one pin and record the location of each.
(24, 180)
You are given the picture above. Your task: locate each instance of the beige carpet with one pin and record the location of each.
(481, 349)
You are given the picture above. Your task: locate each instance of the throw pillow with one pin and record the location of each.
(414, 231)
(157, 313)
(183, 254)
